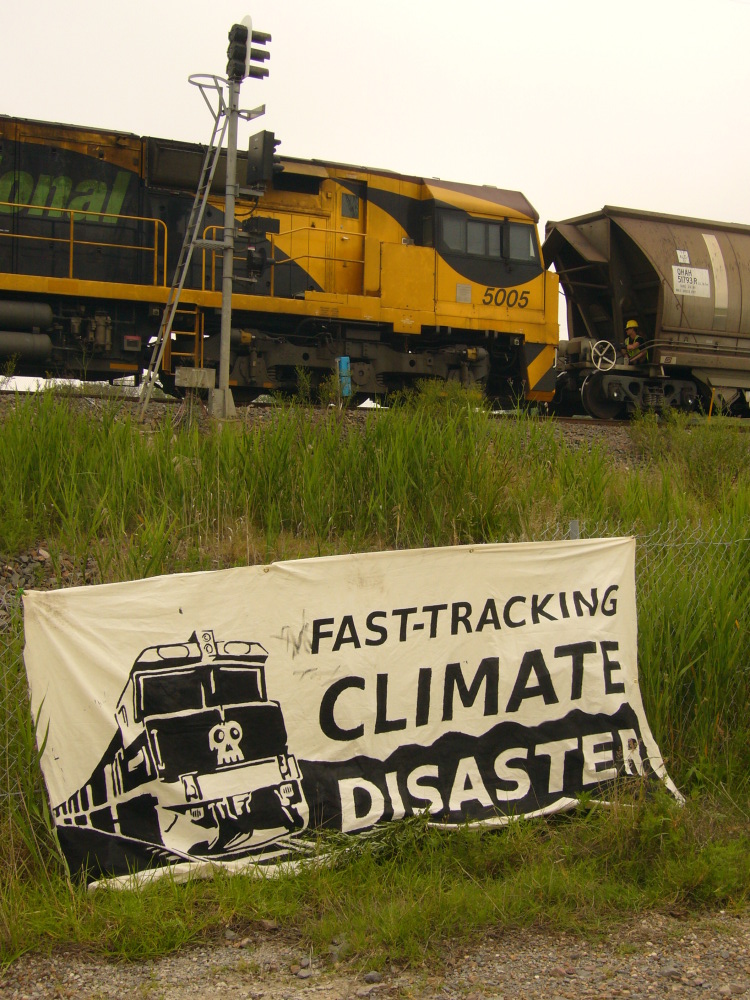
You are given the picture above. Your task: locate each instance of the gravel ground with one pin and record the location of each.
(654, 956)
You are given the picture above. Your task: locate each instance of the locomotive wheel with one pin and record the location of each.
(604, 355)
(596, 402)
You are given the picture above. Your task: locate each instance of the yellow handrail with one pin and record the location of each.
(157, 248)
(212, 230)
(210, 233)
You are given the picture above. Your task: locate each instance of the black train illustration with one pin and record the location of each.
(199, 765)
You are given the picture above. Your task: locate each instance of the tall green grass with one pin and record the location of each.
(417, 475)
(433, 470)
(399, 896)
(408, 478)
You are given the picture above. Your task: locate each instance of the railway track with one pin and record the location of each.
(127, 398)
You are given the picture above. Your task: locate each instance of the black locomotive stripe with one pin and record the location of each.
(405, 211)
(491, 271)
(546, 381)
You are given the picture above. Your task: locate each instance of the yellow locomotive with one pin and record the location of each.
(406, 276)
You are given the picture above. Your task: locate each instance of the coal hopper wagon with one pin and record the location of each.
(683, 284)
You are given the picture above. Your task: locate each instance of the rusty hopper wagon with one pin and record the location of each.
(686, 282)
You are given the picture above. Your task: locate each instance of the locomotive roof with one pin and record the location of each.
(438, 189)
(190, 653)
(514, 200)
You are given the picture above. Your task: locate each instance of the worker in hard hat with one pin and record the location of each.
(635, 352)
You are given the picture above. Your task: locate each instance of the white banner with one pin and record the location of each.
(222, 716)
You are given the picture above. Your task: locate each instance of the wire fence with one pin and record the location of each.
(693, 598)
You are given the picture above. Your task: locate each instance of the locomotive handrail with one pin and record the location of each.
(212, 229)
(78, 214)
(272, 237)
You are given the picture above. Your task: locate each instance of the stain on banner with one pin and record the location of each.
(222, 717)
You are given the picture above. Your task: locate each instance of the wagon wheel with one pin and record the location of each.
(604, 355)
(596, 402)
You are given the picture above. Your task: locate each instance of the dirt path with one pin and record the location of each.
(653, 956)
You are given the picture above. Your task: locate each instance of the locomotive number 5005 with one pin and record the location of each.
(503, 297)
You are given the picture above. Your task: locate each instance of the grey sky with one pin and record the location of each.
(578, 103)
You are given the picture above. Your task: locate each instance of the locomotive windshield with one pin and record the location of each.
(169, 692)
(234, 686)
(522, 244)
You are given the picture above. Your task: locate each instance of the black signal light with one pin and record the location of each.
(241, 54)
(237, 52)
(262, 161)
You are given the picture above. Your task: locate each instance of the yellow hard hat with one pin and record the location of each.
(632, 324)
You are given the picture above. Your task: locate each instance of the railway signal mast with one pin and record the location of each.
(242, 62)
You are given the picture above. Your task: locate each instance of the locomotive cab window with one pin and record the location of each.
(235, 686)
(426, 228)
(453, 231)
(165, 694)
(485, 238)
(522, 243)
(476, 237)
(350, 206)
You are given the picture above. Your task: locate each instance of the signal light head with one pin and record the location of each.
(241, 55)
